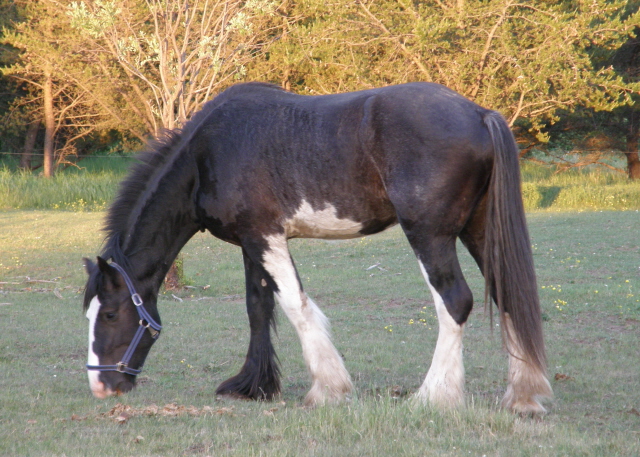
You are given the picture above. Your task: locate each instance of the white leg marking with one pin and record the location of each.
(330, 380)
(527, 385)
(97, 386)
(444, 384)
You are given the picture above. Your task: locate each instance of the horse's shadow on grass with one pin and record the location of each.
(549, 195)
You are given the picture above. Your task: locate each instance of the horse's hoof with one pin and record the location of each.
(528, 408)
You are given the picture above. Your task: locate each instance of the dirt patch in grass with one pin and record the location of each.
(613, 324)
(121, 413)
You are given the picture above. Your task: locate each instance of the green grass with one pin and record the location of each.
(589, 276)
(93, 186)
(88, 188)
(588, 189)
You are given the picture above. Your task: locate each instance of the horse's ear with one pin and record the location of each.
(89, 266)
(103, 265)
(113, 279)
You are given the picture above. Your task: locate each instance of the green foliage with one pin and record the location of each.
(8, 14)
(96, 21)
(527, 60)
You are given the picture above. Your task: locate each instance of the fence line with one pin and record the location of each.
(132, 156)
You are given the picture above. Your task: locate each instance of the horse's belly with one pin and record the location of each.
(321, 223)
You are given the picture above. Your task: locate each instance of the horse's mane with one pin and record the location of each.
(136, 190)
(142, 181)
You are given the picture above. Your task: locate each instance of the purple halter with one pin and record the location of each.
(146, 322)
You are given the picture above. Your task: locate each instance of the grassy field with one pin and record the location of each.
(383, 323)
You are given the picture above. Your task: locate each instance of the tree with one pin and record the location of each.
(627, 118)
(44, 64)
(9, 89)
(528, 60)
(167, 57)
(594, 134)
(141, 67)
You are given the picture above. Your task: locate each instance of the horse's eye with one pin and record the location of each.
(110, 316)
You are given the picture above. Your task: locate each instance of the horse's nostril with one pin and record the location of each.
(124, 387)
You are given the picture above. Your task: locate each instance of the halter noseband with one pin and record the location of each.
(146, 322)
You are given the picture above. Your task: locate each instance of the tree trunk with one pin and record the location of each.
(633, 135)
(49, 125)
(633, 165)
(29, 144)
(175, 276)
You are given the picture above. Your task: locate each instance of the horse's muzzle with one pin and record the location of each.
(99, 390)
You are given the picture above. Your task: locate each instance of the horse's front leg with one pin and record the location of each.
(259, 378)
(330, 380)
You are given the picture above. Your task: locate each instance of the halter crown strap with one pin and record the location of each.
(146, 322)
(142, 312)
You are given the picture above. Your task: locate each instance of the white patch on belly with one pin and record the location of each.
(97, 387)
(324, 223)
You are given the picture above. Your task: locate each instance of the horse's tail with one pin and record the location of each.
(508, 260)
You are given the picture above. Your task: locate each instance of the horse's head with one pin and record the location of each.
(121, 332)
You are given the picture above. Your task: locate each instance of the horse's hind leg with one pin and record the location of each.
(444, 383)
(526, 384)
(259, 377)
(330, 380)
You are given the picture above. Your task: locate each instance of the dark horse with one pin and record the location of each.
(259, 165)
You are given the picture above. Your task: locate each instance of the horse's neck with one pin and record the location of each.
(161, 220)
(156, 239)
(152, 260)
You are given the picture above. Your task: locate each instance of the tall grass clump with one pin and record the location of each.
(587, 189)
(75, 189)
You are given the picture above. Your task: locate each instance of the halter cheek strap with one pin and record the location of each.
(146, 323)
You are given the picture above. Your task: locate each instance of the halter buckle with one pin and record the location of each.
(154, 333)
(121, 367)
(137, 300)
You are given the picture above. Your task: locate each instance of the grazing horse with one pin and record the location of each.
(259, 165)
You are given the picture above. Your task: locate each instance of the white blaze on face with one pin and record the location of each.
(97, 387)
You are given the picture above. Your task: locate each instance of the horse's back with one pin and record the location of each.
(413, 118)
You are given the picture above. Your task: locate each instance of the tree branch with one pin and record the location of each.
(406, 51)
(485, 51)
